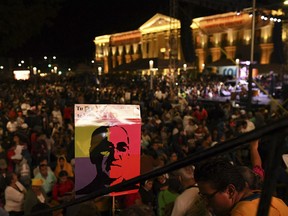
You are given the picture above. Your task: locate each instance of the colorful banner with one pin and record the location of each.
(107, 146)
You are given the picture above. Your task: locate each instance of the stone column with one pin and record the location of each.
(105, 64)
(179, 45)
(151, 45)
(113, 49)
(173, 42)
(135, 50)
(144, 46)
(135, 56)
(120, 53)
(216, 53)
(201, 57)
(167, 45)
(266, 51)
(230, 52)
(155, 45)
(127, 55)
(119, 59)
(105, 58)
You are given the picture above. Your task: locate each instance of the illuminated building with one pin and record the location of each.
(216, 37)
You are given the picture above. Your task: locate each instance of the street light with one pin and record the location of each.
(184, 67)
(99, 71)
(55, 69)
(151, 64)
(99, 75)
(251, 55)
(237, 72)
(34, 70)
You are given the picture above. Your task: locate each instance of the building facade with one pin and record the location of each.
(158, 38)
(216, 37)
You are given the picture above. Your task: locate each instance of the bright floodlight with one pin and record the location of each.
(21, 74)
(151, 64)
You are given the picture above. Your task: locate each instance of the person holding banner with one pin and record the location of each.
(109, 152)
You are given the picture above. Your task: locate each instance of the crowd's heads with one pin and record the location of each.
(43, 167)
(63, 173)
(138, 210)
(185, 173)
(220, 183)
(242, 112)
(219, 172)
(10, 178)
(148, 184)
(253, 180)
(3, 164)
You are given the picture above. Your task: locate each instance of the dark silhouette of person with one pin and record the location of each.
(109, 151)
(272, 83)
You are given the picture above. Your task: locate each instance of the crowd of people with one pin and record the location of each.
(37, 155)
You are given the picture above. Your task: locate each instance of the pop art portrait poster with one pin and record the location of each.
(107, 146)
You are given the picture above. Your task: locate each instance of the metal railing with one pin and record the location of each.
(278, 130)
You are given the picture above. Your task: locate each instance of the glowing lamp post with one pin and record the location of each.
(34, 70)
(55, 69)
(237, 72)
(184, 67)
(99, 71)
(99, 74)
(151, 64)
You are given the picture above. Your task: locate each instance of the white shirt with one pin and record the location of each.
(189, 201)
(14, 198)
(250, 126)
(12, 126)
(190, 129)
(25, 107)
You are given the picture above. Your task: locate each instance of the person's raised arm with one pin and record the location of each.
(255, 158)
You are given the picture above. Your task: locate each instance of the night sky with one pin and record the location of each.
(72, 31)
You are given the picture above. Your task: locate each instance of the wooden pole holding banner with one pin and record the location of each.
(113, 206)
